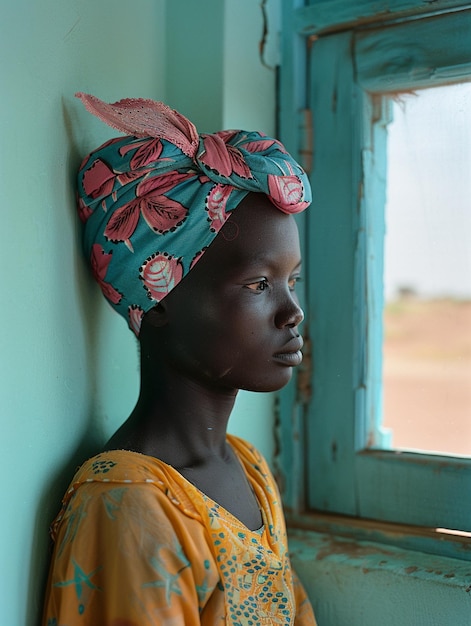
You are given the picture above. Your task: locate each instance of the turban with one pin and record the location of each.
(152, 201)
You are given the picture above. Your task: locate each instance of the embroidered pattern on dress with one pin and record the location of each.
(102, 467)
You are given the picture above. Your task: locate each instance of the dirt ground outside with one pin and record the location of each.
(427, 375)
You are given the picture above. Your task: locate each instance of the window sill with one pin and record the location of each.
(441, 542)
(355, 582)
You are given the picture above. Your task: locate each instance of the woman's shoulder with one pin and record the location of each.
(107, 470)
(246, 450)
(138, 481)
(118, 466)
(113, 469)
(253, 461)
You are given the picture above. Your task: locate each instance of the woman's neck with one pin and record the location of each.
(181, 421)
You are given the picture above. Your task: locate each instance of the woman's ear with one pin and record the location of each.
(157, 316)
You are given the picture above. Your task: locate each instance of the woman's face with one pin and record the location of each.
(232, 323)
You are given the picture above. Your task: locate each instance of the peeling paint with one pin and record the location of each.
(307, 547)
(324, 19)
(353, 549)
(407, 587)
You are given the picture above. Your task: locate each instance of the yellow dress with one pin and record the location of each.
(136, 544)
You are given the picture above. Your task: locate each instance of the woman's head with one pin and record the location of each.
(232, 322)
(152, 202)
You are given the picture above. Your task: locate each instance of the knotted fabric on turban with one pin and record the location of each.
(154, 200)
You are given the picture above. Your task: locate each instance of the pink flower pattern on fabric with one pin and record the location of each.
(166, 191)
(223, 158)
(148, 151)
(287, 190)
(160, 273)
(135, 315)
(99, 179)
(99, 262)
(129, 177)
(161, 214)
(83, 210)
(216, 206)
(262, 145)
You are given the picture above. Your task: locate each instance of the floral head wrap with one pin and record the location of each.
(154, 200)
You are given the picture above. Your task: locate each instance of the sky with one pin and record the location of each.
(428, 211)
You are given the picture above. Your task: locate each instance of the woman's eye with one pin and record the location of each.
(260, 285)
(292, 282)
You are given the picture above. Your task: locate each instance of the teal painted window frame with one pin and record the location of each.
(336, 69)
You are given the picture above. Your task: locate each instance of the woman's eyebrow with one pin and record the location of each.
(253, 268)
(262, 258)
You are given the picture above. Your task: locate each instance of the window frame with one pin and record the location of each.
(329, 459)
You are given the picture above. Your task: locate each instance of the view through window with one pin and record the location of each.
(427, 280)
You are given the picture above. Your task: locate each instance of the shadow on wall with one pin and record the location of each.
(84, 290)
(48, 508)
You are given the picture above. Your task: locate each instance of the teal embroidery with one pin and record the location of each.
(112, 501)
(73, 524)
(80, 578)
(102, 467)
(167, 580)
(202, 591)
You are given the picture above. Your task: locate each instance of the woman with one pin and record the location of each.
(191, 238)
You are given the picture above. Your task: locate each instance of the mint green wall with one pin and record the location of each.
(68, 365)
(214, 71)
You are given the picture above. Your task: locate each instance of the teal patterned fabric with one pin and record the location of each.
(154, 200)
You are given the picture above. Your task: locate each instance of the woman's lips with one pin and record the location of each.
(291, 354)
(289, 358)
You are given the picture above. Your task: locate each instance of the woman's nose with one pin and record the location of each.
(290, 314)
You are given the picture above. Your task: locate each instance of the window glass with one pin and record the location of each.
(427, 280)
